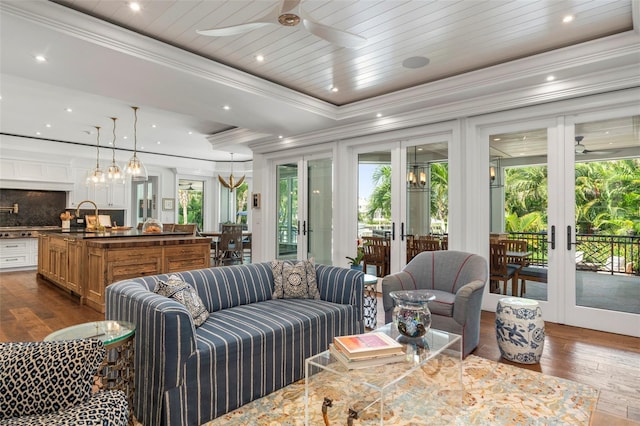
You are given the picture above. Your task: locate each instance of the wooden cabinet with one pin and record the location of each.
(60, 261)
(88, 266)
(186, 257)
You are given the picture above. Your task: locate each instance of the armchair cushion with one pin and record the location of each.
(46, 377)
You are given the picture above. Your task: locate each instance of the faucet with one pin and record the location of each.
(89, 227)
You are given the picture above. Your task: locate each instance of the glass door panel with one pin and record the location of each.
(518, 212)
(144, 200)
(607, 217)
(287, 211)
(319, 225)
(427, 199)
(374, 209)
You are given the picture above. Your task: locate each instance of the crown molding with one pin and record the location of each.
(526, 96)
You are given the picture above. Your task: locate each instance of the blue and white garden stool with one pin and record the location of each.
(520, 330)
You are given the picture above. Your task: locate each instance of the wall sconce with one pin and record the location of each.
(495, 173)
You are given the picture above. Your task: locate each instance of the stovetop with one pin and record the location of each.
(24, 231)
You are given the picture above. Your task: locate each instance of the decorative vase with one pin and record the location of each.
(411, 314)
(520, 330)
(357, 267)
(66, 224)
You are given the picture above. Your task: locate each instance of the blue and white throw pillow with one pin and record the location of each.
(182, 292)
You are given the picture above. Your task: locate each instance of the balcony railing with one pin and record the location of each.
(615, 254)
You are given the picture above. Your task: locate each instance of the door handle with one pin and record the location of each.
(393, 231)
(304, 227)
(402, 231)
(553, 237)
(298, 228)
(569, 243)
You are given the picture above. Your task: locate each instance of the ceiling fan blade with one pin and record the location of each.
(288, 6)
(270, 18)
(334, 35)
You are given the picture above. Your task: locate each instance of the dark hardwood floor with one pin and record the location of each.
(30, 309)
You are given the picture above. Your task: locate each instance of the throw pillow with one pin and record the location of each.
(182, 292)
(294, 280)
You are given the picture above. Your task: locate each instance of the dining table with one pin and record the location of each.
(215, 238)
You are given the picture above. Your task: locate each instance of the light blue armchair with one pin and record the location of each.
(457, 279)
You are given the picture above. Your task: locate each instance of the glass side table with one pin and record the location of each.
(116, 372)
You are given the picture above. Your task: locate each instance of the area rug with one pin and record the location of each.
(494, 394)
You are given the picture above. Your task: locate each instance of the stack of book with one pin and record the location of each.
(366, 350)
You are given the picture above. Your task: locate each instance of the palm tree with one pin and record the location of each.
(381, 196)
(440, 192)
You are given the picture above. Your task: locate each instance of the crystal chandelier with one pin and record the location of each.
(114, 174)
(97, 176)
(135, 168)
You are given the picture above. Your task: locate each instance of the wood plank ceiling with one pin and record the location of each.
(455, 36)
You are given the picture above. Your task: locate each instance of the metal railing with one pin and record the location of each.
(615, 254)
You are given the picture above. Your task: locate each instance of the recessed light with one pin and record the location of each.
(550, 78)
(226, 107)
(190, 132)
(69, 110)
(496, 139)
(378, 115)
(125, 137)
(48, 125)
(259, 58)
(38, 133)
(41, 58)
(135, 6)
(158, 142)
(153, 126)
(568, 19)
(280, 136)
(334, 89)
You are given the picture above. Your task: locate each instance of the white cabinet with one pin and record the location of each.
(19, 253)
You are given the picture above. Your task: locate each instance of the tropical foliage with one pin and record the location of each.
(607, 198)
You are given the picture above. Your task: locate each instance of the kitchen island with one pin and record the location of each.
(85, 263)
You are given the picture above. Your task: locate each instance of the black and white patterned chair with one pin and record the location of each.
(50, 383)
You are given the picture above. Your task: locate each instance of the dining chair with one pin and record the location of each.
(167, 227)
(230, 245)
(500, 271)
(517, 246)
(375, 254)
(188, 227)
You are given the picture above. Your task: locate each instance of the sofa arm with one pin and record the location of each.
(341, 285)
(468, 300)
(399, 281)
(165, 338)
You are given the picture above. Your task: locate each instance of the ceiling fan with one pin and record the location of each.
(580, 149)
(289, 14)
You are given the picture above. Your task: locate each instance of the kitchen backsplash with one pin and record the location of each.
(35, 208)
(43, 208)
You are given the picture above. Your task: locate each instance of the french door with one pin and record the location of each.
(144, 199)
(558, 186)
(304, 216)
(403, 195)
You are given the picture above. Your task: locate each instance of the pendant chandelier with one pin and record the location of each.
(135, 168)
(97, 177)
(231, 184)
(416, 176)
(114, 174)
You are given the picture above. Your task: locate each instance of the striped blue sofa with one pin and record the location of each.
(251, 345)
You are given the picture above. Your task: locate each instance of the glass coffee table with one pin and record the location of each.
(383, 393)
(117, 371)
